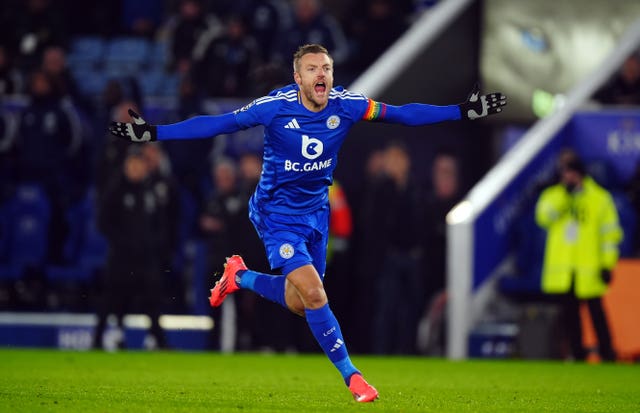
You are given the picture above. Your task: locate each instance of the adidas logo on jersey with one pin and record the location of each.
(293, 124)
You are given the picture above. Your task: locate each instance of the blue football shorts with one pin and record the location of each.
(292, 241)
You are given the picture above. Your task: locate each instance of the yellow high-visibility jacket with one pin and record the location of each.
(583, 233)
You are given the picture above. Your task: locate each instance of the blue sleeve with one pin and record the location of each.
(412, 114)
(259, 112)
(416, 114)
(199, 127)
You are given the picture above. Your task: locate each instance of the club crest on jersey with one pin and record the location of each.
(333, 121)
(286, 251)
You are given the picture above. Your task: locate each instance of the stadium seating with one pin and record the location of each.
(86, 53)
(158, 83)
(94, 61)
(27, 231)
(158, 52)
(85, 249)
(128, 53)
(90, 82)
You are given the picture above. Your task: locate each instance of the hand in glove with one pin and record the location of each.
(606, 276)
(479, 106)
(138, 131)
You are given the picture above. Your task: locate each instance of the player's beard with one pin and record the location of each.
(318, 102)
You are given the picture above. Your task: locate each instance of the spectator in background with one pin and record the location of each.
(142, 17)
(188, 34)
(10, 77)
(38, 25)
(267, 20)
(446, 192)
(367, 247)
(581, 250)
(312, 24)
(112, 153)
(8, 136)
(221, 210)
(221, 213)
(247, 242)
(227, 61)
(338, 257)
(190, 159)
(81, 164)
(54, 65)
(396, 214)
(102, 114)
(48, 144)
(624, 88)
(134, 216)
(268, 76)
(368, 39)
(271, 329)
(165, 187)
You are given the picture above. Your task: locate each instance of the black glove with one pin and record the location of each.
(606, 276)
(138, 131)
(479, 106)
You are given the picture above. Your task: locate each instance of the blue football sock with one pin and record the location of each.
(326, 330)
(268, 286)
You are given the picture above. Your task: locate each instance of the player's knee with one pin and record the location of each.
(314, 297)
(297, 309)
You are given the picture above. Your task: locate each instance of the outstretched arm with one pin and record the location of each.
(415, 114)
(195, 128)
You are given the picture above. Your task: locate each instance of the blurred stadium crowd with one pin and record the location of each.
(77, 206)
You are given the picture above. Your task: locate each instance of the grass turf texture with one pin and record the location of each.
(50, 380)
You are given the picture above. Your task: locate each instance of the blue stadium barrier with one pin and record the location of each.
(74, 331)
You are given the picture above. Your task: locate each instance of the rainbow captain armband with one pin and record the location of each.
(375, 111)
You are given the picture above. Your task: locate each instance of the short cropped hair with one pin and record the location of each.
(307, 49)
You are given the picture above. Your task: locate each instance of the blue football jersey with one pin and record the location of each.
(300, 146)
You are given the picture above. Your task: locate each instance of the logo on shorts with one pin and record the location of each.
(333, 121)
(286, 251)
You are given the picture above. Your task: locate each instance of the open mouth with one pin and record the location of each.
(320, 87)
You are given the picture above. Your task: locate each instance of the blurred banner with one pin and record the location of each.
(547, 45)
(609, 143)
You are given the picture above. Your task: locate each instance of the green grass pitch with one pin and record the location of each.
(65, 381)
